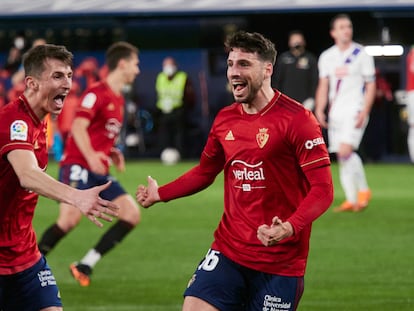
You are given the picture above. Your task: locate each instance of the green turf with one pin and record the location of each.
(358, 261)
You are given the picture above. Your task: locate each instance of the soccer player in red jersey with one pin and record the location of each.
(277, 182)
(89, 151)
(26, 281)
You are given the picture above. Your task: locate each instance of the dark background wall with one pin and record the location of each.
(196, 41)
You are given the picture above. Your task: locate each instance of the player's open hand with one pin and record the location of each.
(277, 231)
(148, 195)
(94, 207)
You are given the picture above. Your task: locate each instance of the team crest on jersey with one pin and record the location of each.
(18, 130)
(262, 137)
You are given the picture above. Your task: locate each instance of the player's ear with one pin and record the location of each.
(268, 70)
(32, 83)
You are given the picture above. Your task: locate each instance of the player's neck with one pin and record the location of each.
(262, 98)
(343, 46)
(36, 103)
(115, 83)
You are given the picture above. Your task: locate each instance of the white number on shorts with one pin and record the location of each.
(210, 261)
(78, 173)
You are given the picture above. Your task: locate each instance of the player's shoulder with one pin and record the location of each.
(294, 112)
(361, 50)
(13, 110)
(93, 93)
(329, 51)
(289, 105)
(229, 109)
(96, 87)
(356, 45)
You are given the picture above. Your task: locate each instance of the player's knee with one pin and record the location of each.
(129, 210)
(345, 152)
(67, 223)
(131, 215)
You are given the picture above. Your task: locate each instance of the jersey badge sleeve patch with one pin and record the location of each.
(18, 130)
(89, 100)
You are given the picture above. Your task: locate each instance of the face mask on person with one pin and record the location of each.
(298, 47)
(169, 70)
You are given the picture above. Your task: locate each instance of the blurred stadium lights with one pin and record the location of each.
(385, 50)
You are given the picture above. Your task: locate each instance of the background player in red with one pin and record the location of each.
(26, 282)
(90, 149)
(277, 182)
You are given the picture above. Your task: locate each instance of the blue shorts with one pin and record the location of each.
(231, 287)
(80, 178)
(30, 290)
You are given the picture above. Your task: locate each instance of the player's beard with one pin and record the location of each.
(254, 88)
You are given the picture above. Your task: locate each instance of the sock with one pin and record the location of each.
(359, 173)
(50, 238)
(91, 258)
(109, 240)
(347, 178)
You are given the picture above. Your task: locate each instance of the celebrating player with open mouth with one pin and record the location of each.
(277, 182)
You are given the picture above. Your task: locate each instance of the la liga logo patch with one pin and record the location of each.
(18, 130)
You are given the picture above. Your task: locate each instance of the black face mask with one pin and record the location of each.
(298, 47)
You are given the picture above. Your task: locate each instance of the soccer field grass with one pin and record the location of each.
(358, 261)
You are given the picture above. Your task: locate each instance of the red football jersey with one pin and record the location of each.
(410, 70)
(19, 129)
(265, 158)
(105, 110)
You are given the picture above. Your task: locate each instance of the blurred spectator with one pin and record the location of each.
(175, 97)
(15, 91)
(296, 72)
(12, 62)
(18, 76)
(87, 72)
(14, 57)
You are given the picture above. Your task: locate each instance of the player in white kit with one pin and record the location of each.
(347, 83)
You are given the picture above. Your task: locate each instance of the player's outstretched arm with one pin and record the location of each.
(33, 178)
(148, 195)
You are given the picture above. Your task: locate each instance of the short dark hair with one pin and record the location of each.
(252, 42)
(117, 51)
(34, 59)
(336, 17)
(296, 32)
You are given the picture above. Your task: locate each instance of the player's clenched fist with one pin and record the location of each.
(148, 195)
